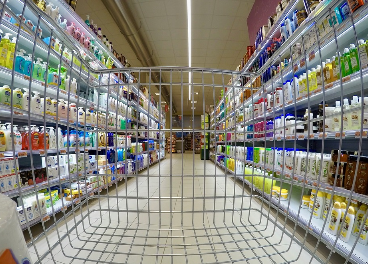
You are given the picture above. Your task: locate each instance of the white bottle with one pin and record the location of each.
(326, 210)
(25, 101)
(54, 106)
(342, 210)
(52, 138)
(359, 219)
(48, 105)
(72, 112)
(319, 205)
(88, 116)
(67, 83)
(337, 117)
(36, 103)
(17, 98)
(8, 137)
(346, 119)
(60, 138)
(356, 114)
(62, 111)
(2, 137)
(363, 238)
(348, 225)
(73, 86)
(334, 219)
(81, 115)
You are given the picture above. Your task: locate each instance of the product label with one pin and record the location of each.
(333, 221)
(347, 68)
(363, 234)
(328, 75)
(345, 227)
(354, 62)
(363, 57)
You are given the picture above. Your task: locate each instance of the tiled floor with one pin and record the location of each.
(192, 217)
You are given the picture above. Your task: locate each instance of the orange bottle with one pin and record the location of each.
(35, 138)
(42, 135)
(25, 138)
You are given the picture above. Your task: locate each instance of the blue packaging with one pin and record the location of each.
(344, 10)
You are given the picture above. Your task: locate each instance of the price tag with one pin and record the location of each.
(301, 137)
(295, 68)
(312, 55)
(278, 138)
(110, 185)
(357, 134)
(22, 154)
(2, 155)
(45, 218)
(18, 113)
(26, 77)
(311, 136)
(342, 27)
(328, 86)
(296, 178)
(346, 79)
(42, 152)
(77, 201)
(63, 151)
(63, 92)
(337, 135)
(321, 135)
(356, 15)
(287, 175)
(99, 189)
(64, 208)
(302, 62)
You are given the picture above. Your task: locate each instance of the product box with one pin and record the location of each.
(2, 184)
(22, 218)
(29, 212)
(7, 167)
(72, 168)
(2, 168)
(62, 171)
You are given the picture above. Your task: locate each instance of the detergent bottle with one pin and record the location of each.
(11, 52)
(28, 65)
(4, 46)
(19, 61)
(37, 70)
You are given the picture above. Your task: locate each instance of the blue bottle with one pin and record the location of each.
(19, 61)
(28, 65)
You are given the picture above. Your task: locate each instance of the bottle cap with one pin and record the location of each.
(328, 61)
(338, 104)
(351, 210)
(352, 46)
(343, 205)
(337, 205)
(346, 101)
(346, 50)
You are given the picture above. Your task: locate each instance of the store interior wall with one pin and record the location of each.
(259, 13)
(187, 123)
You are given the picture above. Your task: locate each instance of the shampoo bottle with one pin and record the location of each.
(19, 61)
(4, 47)
(346, 119)
(346, 63)
(18, 98)
(363, 238)
(356, 114)
(342, 210)
(363, 54)
(354, 58)
(337, 117)
(11, 52)
(348, 225)
(334, 219)
(359, 219)
(319, 77)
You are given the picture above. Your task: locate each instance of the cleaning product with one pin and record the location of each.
(336, 66)
(346, 63)
(36, 103)
(326, 209)
(342, 210)
(363, 53)
(28, 65)
(359, 219)
(17, 139)
(18, 98)
(337, 117)
(73, 86)
(348, 225)
(334, 219)
(19, 61)
(43, 136)
(319, 204)
(25, 138)
(355, 115)
(35, 138)
(62, 109)
(346, 119)
(329, 72)
(2, 138)
(37, 70)
(87, 20)
(319, 77)
(5, 95)
(4, 46)
(10, 55)
(354, 58)
(25, 100)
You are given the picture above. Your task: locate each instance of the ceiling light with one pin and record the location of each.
(157, 93)
(196, 92)
(163, 102)
(193, 102)
(193, 108)
(189, 15)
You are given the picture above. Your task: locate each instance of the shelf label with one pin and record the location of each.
(45, 218)
(321, 135)
(77, 201)
(357, 134)
(26, 77)
(63, 151)
(64, 208)
(328, 86)
(42, 152)
(301, 137)
(311, 136)
(337, 135)
(22, 154)
(346, 79)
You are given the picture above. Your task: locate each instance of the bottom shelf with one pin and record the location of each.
(303, 218)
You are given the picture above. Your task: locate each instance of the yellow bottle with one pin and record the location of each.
(329, 71)
(334, 69)
(334, 219)
(348, 225)
(10, 55)
(313, 78)
(319, 77)
(4, 46)
(359, 218)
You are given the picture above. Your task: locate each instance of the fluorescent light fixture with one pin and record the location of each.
(157, 93)
(193, 108)
(163, 102)
(189, 16)
(193, 102)
(196, 92)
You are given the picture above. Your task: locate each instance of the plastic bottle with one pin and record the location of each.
(72, 112)
(334, 219)
(48, 105)
(36, 103)
(319, 77)
(354, 58)
(319, 205)
(346, 119)
(356, 114)
(52, 138)
(81, 115)
(37, 70)
(17, 98)
(337, 117)
(348, 225)
(43, 136)
(44, 69)
(342, 210)
(363, 53)
(2, 138)
(19, 61)
(73, 86)
(35, 138)
(87, 20)
(77, 34)
(72, 138)
(5, 93)
(336, 66)
(60, 138)
(28, 65)
(346, 63)
(359, 219)
(99, 33)
(25, 138)
(326, 209)
(54, 106)
(4, 46)
(10, 55)
(62, 110)
(8, 137)
(313, 84)
(82, 38)
(70, 29)
(363, 238)
(329, 71)
(67, 83)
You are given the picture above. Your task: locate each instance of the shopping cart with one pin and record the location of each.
(103, 190)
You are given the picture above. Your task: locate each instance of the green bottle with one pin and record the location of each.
(336, 69)
(37, 70)
(346, 63)
(354, 58)
(363, 54)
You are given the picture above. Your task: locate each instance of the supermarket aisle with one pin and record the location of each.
(130, 228)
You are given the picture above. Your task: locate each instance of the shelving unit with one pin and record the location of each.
(235, 122)
(130, 102)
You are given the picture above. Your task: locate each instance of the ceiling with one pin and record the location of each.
(219, 40)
